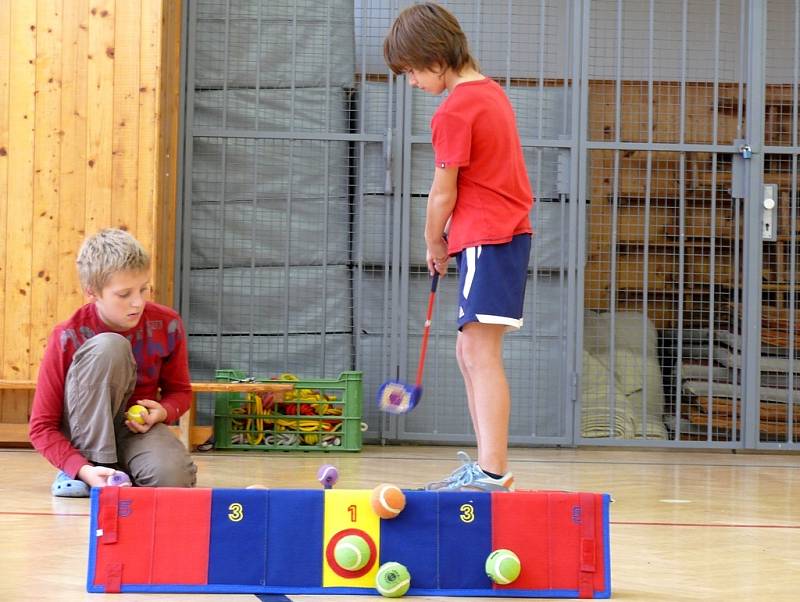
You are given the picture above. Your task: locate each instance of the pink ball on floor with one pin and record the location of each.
(327, 475)
(119, 479)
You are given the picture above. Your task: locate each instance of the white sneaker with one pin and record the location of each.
(470, 477)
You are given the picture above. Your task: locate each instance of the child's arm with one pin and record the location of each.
(441, 202)
(176, 388)
(44, 426)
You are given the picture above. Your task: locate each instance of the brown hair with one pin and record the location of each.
(427, 36)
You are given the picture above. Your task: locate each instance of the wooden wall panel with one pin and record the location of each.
(149, 60)
(100, 114)
(5, 73)
(88, 129)
(169, 111)
(5, 69)
(125, 134)
(71, 224)
(19, 226)
(46, 170)
(44, 221)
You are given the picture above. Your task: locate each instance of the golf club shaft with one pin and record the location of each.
(426, 331)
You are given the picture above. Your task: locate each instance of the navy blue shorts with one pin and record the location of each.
(491, 282)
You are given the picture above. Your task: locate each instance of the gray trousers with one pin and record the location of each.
(98, 384)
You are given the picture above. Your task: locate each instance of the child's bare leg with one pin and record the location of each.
(468, 386)
(481, 353)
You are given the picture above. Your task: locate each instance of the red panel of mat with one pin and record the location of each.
(182, 536)
(127, 512)
(558, 537)
(520, 523)
(565, 548)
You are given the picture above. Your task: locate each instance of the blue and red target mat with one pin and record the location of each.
(280, 541)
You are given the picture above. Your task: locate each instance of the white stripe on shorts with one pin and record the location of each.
(512, 323)
(472, 256)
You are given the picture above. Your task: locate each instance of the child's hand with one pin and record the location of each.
(94, 476)
(438, 258)
(155, 414)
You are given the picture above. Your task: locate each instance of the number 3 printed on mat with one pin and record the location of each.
(236, 512)
(467, 513)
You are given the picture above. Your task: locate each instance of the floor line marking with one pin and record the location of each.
(11, 513)
(715, 525)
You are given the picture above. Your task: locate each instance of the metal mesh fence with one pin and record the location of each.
(270, 208)
(778, 418)
(663, 277)
(308, 168)
(677, 272)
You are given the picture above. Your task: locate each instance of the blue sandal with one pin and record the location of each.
(64, 486)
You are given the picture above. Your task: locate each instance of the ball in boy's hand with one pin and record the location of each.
(327, 475)
(392, 580)
(118, 479)
(387, 500)
(136, 413)
(503, 566)
(351, 553)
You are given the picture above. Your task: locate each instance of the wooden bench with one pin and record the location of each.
(187, 431)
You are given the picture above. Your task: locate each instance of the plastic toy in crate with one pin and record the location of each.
(321, 414)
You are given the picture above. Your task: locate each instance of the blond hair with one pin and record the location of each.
(107, 252)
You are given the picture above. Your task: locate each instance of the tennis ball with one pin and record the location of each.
(351, 552)
(136, 413)
(392, 580)
(387, 500)
(502, 566)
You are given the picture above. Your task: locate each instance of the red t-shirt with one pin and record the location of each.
(475, 130)
(158, 342)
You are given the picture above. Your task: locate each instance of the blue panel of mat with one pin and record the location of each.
(294, 549)
(410, 538)
(238, 546)
(465, 539)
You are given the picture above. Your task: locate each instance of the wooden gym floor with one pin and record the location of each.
(685, 525)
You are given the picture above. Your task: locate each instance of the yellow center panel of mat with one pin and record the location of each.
(349, 511)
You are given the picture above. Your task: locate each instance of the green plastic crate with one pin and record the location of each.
(317, 415)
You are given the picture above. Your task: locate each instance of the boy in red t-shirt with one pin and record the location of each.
(116, 351)
(478, 212)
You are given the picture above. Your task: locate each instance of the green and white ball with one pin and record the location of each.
(392, 580)
(503, 566)
(351, 553)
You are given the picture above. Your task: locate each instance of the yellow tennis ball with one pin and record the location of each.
(392, 580)
(387, 500)
(351, 552)
(136, 413)
(503, 566)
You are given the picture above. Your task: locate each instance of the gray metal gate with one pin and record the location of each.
(307, 172)
(660, 308)
(684, 265)
(776, 421)
(538, 75)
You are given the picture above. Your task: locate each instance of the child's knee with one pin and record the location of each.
(177, 473)
(107, 351)
(480, 346)
(110, 344)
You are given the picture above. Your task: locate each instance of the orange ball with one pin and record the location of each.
(387, 500)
